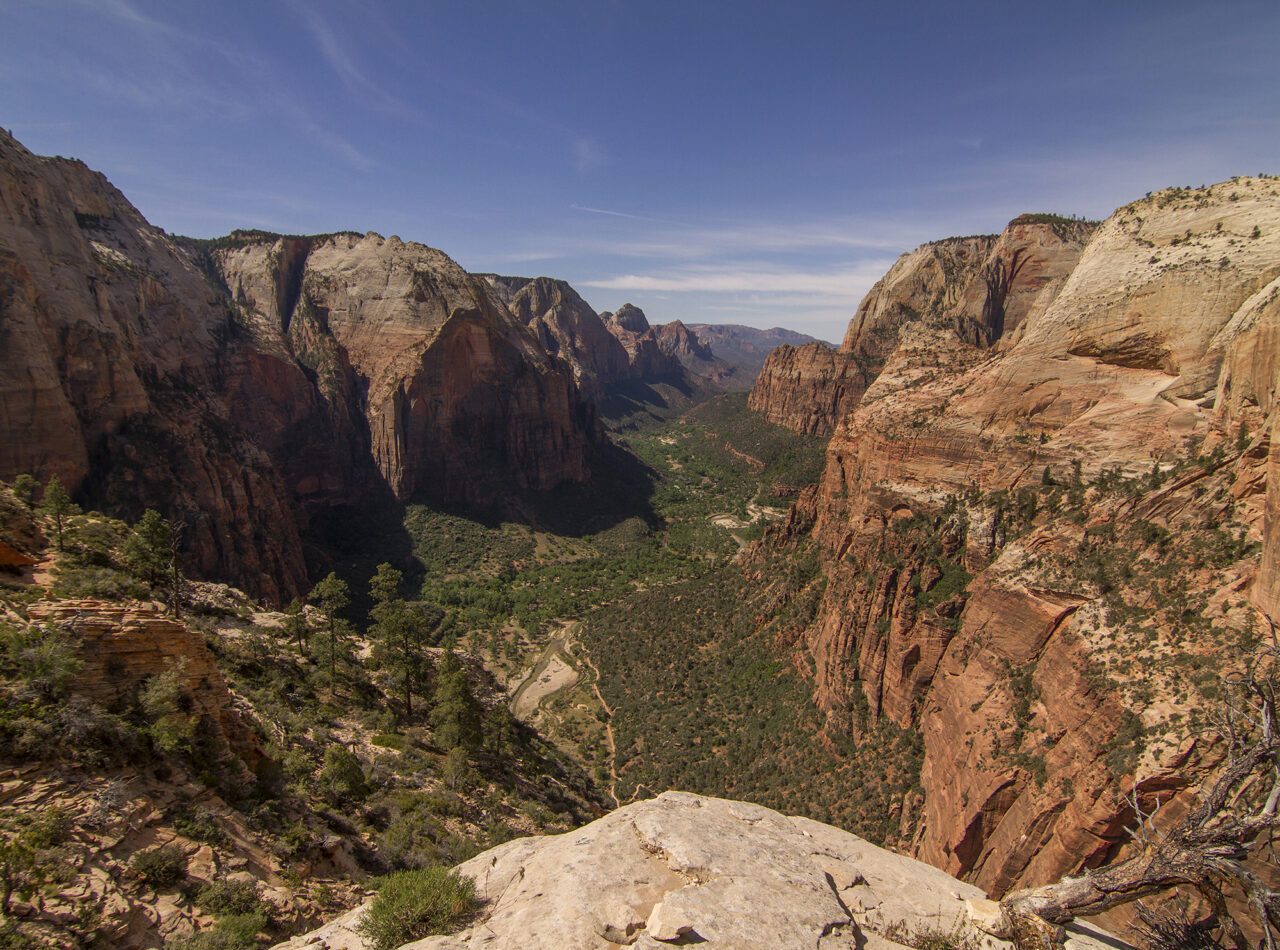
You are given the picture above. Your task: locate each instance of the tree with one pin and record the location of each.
(401, 630)
(1237, 817)
(146, 552)
(331, 595)
(56, 504)
(342, 777)
(295, 625)
(152, 554)
(456, 716)
(24, 489)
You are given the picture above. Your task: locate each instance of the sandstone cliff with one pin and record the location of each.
(567, 327)
(1031, 548)
(458, 399)
(809, 388)
(113, 358)
(683, 869)
(630, 326)
(258, 380)
(983, 288)
(121, 646)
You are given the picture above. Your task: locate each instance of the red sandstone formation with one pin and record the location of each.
(1030, 654)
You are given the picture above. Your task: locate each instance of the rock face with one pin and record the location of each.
(608, 352)
(258, 380)
(981, 287)
(123, 646)
(648, 359)
(115, 351)
(684, 869)
(1026, 634)
(808, 388)
(567, 327)
(459, 400)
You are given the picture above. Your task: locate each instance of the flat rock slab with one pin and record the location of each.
(684, 870)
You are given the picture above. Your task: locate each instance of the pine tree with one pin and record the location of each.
(146, 552)
(152, 554)
(24, 489)
(331, 595)
(57, 505)
(401, 630)
(456, 716)
(295, 625)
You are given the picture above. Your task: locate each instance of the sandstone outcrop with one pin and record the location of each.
(1000, 516)
(683, 869)
(809, 388)
(458, 398)
(122, 646)
(983, 288)
(648, 359)
(568, 328)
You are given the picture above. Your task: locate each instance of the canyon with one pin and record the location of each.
(1043, 533)
(287, 380)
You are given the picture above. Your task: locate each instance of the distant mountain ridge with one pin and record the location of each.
(747, 347)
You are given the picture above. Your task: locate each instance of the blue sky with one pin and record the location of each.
(751, 162)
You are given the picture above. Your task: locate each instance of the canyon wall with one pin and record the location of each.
(981, 287)
(459, 399)
(245, 385)
(1045, 525)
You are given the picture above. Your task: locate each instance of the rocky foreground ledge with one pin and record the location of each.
(682, 869)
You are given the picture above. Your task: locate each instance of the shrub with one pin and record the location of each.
(162, 867)
(414, 904)
(228, 898)
(342, 778)
(237, 932)
(199, 825)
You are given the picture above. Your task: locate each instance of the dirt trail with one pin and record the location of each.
(608, 726)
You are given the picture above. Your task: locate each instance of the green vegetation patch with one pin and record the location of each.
(414, 904)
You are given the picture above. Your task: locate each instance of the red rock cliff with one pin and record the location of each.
(244, 385)
(983, 288)
(1014, 537)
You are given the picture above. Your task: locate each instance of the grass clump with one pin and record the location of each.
(414, 904)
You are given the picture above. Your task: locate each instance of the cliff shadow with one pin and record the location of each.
(620, 489)
(352, 539)
(633, 403)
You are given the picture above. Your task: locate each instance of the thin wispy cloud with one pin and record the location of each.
(844, 283)
(611, 214)
(345, 66)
